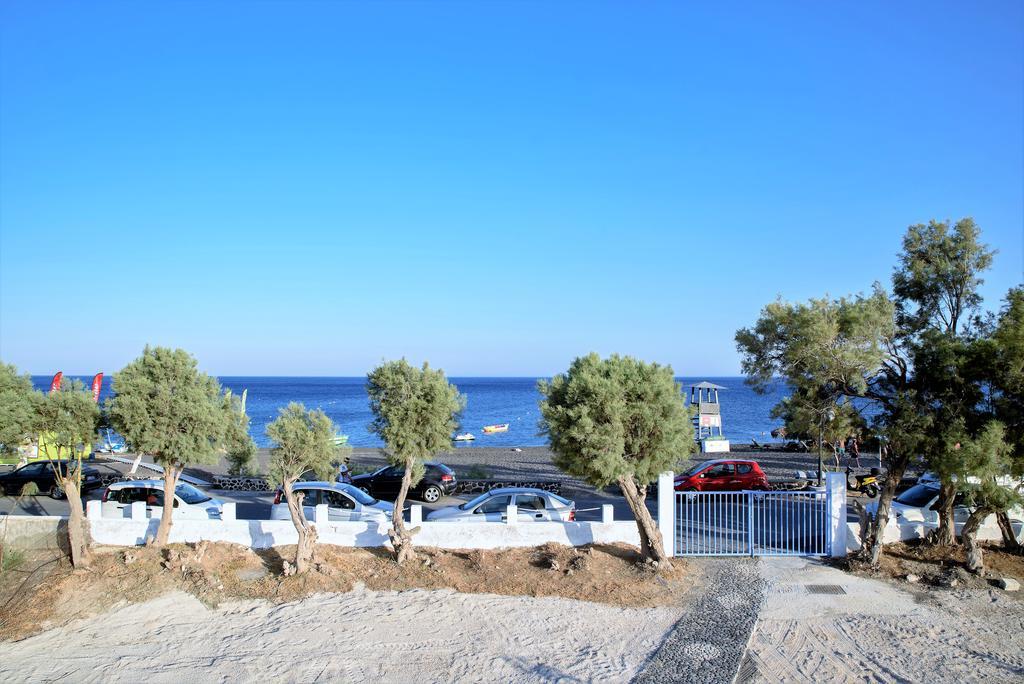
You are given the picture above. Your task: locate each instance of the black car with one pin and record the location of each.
(438, 480)
(41, 472)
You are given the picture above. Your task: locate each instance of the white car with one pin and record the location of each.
(919, 504)
(345, 503)
(190, 503)
(533, 505)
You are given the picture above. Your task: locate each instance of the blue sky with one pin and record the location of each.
(308, 188)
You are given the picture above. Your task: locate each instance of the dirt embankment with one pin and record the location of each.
(940, 566)
(214, 572)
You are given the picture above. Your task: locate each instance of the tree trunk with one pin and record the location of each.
(651, 547)
(947, 530)
(307, 533)
(975, 561)
(871, 547)
(1010, 542)
(401, 540)
(163, 533)
(78, 530)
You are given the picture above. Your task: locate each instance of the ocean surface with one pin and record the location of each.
(745, 414)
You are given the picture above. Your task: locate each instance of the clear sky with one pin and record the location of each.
(307, 188)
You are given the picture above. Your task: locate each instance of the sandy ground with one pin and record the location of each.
(880, 631)
(411, 636)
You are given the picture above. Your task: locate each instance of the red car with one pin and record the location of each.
(723, 475)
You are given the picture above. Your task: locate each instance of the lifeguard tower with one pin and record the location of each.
(707, 422)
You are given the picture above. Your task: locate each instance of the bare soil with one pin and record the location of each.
(940, 566)
(216, 572)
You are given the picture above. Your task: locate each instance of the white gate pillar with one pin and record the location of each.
(667, 511)
(835, 485)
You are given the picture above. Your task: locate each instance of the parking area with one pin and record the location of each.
(256, 505)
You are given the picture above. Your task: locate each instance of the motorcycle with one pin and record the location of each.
(865, 484)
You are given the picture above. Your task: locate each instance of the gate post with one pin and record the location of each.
(750, 521)
(667, 512)
(835, 485)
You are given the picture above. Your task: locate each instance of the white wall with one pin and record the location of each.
(905, 531)
(263, 534)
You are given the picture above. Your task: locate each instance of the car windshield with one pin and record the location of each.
(917, 496)
(559, 499)
(480, 499)
(358, 494)
(190, 494)
(697, 468)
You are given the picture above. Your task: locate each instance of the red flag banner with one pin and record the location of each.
(55, 385)
(97, 382)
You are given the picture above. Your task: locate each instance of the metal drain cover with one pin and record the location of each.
(824, 589)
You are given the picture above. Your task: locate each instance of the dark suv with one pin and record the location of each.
(438, 480)
(41, 472)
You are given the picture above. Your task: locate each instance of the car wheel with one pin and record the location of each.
(56, 492)
(431, 494)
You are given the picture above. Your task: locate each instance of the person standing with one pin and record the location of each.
(853, 449)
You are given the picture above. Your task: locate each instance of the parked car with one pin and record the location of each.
(190, 502)
(532, 505)
(723, 475)
(384, 483)
(41, 472)
(344, 502)
(920, 504)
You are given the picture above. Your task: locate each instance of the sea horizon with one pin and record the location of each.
(489, 400)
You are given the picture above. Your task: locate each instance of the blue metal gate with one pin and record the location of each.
(753, 524)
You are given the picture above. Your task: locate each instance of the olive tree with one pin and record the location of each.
(167, 408)
(69, 417)
(303, 440)
(17, 409)
(415, 412)
(618, 420)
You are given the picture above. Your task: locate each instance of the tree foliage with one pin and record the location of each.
(618, 420)
(17, 409)
(303, 440)
(415, 412)
(936, 281)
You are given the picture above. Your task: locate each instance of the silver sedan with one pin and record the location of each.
(532, 505)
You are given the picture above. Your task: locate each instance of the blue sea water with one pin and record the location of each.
(745, 414)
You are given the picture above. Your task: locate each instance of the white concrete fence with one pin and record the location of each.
(261, 534)
(137, 527)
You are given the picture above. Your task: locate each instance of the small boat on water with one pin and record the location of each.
(491, 429)
(465, 437)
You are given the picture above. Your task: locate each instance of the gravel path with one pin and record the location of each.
(707, 642)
